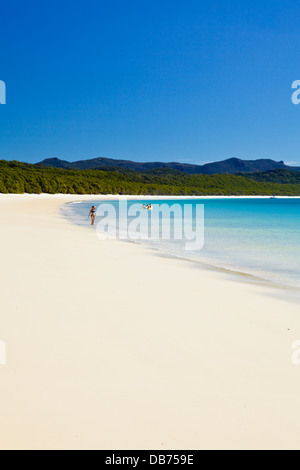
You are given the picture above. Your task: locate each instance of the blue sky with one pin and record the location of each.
(150, 80)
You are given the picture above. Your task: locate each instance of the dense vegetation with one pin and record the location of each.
(276, 176)
(16, 177)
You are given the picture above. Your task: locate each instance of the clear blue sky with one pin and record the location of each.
(186, 81)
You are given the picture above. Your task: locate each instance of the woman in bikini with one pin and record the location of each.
(92, 214)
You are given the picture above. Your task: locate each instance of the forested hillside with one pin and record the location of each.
(16, 177)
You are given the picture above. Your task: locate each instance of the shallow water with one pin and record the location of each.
(256, 236)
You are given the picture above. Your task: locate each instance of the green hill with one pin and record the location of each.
(276, 176)
(16, 177)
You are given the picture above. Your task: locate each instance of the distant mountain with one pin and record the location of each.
(55, 163)
(231, 165)
(236, 165)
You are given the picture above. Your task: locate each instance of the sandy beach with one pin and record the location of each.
(112, 346)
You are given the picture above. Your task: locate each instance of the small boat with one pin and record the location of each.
(273, 197)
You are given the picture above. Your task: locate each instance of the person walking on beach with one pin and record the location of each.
(92, 214)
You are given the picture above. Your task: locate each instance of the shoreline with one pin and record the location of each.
(284, 289)
(110, 347)
(121, 196)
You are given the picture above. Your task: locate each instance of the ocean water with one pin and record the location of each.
(257, 236)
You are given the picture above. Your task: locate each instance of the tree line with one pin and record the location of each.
(17, 177)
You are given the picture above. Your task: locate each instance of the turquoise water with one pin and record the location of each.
(255, 236)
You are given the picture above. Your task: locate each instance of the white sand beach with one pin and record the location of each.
(113, 346)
